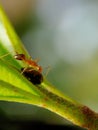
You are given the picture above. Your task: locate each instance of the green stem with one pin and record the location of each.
(69, 109)
(56, 102)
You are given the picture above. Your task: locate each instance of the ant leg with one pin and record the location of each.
(23, 70)
(48, 69)
(36, 60)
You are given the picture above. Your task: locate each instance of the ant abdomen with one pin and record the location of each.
(32, 75)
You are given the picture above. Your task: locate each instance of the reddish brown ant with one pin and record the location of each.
(30, 62)
(33, 72)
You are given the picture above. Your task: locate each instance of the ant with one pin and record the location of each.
(30, 62)
(34, 72)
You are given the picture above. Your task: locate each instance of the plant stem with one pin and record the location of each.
(73, 111)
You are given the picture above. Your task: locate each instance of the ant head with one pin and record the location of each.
(19, 56)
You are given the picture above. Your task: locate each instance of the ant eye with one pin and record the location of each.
(19, 56)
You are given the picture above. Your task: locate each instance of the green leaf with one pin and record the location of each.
(11, 93)
(9, 41)
(10, 74)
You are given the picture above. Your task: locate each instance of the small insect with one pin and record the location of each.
(33, 71)
(30, 62)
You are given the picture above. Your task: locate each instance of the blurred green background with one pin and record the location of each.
(63, 34)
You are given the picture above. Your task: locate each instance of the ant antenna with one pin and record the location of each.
(4, 55)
